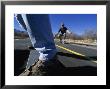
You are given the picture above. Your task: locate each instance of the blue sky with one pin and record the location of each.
(76, 23)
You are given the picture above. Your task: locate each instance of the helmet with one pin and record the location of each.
(62, 24)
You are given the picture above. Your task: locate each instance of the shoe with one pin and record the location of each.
(43, 68)
(47, 68)
(38, 68)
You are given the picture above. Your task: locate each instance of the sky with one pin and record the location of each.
(76, 23)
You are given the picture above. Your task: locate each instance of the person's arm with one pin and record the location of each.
(68, 31)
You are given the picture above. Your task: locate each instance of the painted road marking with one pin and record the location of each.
(94, 61)
(73, 52)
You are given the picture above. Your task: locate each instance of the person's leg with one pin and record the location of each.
(64, 37)
(39, 30)
(60, 38)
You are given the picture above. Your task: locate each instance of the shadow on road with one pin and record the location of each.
(20, 59)
(77, 71)
(21, 56)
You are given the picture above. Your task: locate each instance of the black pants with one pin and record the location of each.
(62, 37)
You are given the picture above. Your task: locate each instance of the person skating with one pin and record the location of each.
(62, 33)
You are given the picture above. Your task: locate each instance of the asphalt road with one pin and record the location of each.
(78, 60)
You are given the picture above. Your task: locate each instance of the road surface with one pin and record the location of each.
(78, 60)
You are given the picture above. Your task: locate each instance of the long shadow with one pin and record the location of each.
(90, 58)
(20, 60)
(75, 71)
(61, 70)
(81, 71)
(21, 56)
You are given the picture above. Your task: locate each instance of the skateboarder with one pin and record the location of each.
(62, 33)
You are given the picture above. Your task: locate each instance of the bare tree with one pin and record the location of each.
(90, 34)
